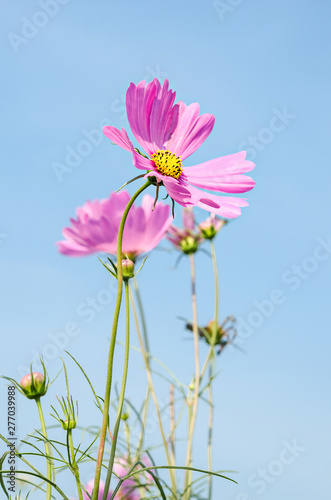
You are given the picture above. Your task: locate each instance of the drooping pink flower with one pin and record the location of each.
(97, 224)
(169, 133)
(89, 489)
(188, 238)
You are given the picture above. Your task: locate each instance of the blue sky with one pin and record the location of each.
(262, 68)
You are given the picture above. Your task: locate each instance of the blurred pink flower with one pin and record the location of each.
(97, 223)
(188, 238)
(130, 487)
(169, 134)
(89, 489)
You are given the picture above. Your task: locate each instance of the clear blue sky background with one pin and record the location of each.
(245, 63)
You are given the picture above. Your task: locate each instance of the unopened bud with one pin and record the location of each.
(210, 227)
(68, 424)
(33, 385)
(128, 269)
(189, 245)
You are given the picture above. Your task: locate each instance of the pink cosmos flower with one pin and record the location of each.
(170, 133)
(97, 223)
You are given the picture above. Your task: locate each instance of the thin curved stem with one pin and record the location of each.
(210, 431)
(193, 409)
(74, 465)
(113, 342)
(122, 392)
(211, 358)
(154, 397)
(48, 451)
(143, 423)
(216, 311)
(216, 281)
(147, 349)
(142, 314)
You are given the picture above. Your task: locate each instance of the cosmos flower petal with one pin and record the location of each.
(119, 137)
(141, 162)
(96, 230)
(191, 131)
(225, 206)
(151, 113)
(188, 219)
(222, 174)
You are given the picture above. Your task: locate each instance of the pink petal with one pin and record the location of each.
(151, 113)
(119, 137)
(141, 162)
(191, 131)
(222, 174)
(73, 249)
(228, 207)
(188, 218)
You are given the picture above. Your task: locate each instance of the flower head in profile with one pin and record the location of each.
(169, 133)
(188, 238)
(96, 227)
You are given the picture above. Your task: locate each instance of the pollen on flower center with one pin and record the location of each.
(167, 163)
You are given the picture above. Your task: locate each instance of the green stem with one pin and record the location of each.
(214, 333)
(210, 431)
(74, 466)
(122, 392)
(47, 450)
(194, 403)
(214, 261)
(142, 315)
(143, 423)
(147, 349)
(113, 342)
(172, 472)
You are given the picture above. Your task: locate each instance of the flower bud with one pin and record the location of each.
(125, 416)
(128, 269)
(210, 227)
(68, 424)
(189, 245)
(33, 385)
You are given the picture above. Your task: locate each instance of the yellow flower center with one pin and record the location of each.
(167, 163)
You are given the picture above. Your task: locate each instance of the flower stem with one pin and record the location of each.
(74, 466)
(210, 360)
(147, 349)
(216, 312)
(142, 314)
(154, 397)
(216, 282)
(210, 430)
(48, 451)
(122, 392)
(113, 342)
(193, 409)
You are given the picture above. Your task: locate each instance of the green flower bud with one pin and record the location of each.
(189, 245)
(211, 226)
(128, 269)
(33, 385)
